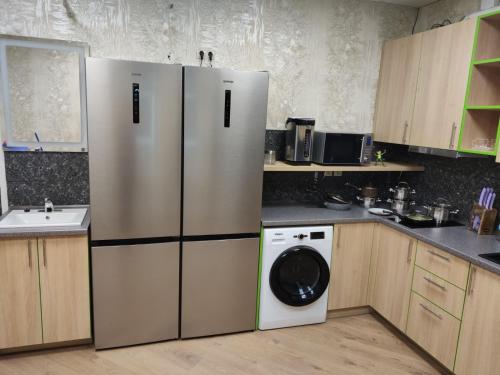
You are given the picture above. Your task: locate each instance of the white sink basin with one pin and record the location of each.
(35, 218)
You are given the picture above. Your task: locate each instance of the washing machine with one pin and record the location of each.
(295, 272)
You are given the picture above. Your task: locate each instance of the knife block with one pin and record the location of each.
(487, 219)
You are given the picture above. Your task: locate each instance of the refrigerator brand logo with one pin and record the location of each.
(227, 81)
(136, 74)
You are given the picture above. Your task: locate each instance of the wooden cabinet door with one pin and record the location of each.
(396, 89)
(442, 84)
(65, 288)
(20, 316)
(392, 272)
(479, 343)
(350, 266)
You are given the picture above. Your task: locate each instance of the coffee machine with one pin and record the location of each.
(299, 140)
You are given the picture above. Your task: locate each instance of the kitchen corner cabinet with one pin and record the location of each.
(396, 89)
(479, 343)
(392, 262)
(44, 291)
(352, 246)
(442, 84)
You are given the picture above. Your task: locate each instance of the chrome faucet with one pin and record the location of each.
(49, 206)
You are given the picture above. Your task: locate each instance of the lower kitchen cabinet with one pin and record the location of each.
(65, 288)
(44, 291)
(393, 257)
(479, 344)
(350, 265)
(20, 323)
(433, 329)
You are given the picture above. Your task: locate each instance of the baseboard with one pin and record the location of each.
(352, 311)
(55, 345)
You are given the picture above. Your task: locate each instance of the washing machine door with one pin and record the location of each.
(299, 276)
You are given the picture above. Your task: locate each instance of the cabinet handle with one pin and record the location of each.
(472, 278)
(29, 253)
(439, 256)
(431, 312)
(430, 281)
(404, 132)
(410, 251)
(338, 238)
(453, 131)
(44, 253)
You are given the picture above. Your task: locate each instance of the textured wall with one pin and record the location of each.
(323, 55)
(454, 10)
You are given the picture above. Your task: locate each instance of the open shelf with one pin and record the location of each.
(484, 85)
(488, 37)
(479, 124)
(280, 166)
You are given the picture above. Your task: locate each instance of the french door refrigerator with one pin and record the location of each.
(135, 136)
(224, 129)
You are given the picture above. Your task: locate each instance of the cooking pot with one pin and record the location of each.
(367, 202)
(368, 191)
(402, 191)
(441, 210)
(400, 206)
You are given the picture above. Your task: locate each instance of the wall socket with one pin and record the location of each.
(328, 174)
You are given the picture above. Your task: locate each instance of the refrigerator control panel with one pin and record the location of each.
(135, 103)
(227, 109)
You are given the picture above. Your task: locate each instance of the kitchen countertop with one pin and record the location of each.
(456, 240)
(47, 231)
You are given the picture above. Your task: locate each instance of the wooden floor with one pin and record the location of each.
(353, 345)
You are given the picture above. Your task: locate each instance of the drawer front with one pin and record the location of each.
(442, 293)
(442, 264)
(433, 329)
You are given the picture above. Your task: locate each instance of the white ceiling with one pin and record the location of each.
(411, 3)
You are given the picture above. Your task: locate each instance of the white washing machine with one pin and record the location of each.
(295, 271)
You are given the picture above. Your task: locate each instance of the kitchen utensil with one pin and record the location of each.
(402, 191)
(337, 202)
(337, 206)
(380, 211)
(368, 191)
(419, 217)
(269, 157)
(441, 210)
(367, 202)
(400, 206)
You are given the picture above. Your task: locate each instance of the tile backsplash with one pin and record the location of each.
(33, 176)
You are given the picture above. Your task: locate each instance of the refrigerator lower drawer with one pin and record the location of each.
(135, 294)
(219, 286)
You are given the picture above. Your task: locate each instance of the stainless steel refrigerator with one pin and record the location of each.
(224, 135)
(135, 137)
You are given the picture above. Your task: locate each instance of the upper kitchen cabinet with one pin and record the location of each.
(43, 96)
(442, 83)
(396, 89)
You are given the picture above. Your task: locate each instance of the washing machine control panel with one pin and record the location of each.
(297, 236)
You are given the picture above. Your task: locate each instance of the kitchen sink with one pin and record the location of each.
(493, 257)
(39, 218)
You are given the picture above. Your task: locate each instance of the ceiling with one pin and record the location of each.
(412, 3)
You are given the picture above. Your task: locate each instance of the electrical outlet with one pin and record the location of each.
(337, 173)
(328, 174)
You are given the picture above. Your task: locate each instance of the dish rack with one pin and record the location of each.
(486, 217)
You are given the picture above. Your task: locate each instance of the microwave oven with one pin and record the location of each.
(342, 148)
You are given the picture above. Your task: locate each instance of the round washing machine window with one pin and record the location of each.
(299, 276)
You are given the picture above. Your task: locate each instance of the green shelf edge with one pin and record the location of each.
(486, 61)
(467, 92)
(483, 107)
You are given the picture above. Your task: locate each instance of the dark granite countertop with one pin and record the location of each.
(47, 231)
(456, 240)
